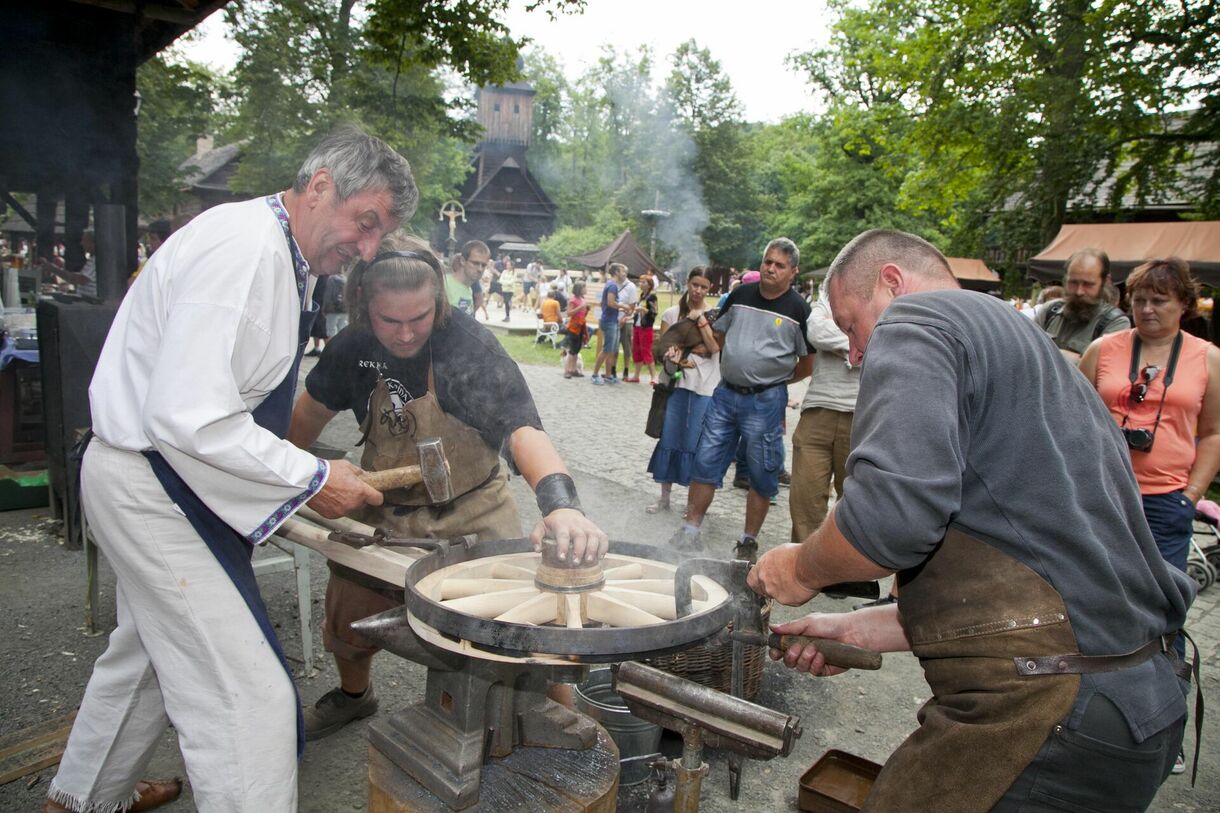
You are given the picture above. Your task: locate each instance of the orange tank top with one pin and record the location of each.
(1166, 467)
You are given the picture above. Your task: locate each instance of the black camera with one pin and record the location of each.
(1139, 440)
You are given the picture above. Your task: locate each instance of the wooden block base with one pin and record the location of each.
(538, 780)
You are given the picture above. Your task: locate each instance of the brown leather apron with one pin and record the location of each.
(482, 504)
(968, 611)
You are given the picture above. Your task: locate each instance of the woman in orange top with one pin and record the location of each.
(1162, 386)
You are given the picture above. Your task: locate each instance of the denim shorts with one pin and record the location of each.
(609, 337)
(756, 419)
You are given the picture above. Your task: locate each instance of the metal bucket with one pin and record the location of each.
(634, 737)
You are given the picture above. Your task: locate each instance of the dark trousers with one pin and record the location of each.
(1171, 519)
(1096, 767)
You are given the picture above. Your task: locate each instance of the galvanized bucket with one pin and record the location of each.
(636, 738)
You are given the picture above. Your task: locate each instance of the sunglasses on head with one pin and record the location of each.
(1140, 391)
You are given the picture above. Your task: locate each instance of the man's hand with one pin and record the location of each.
(344, 492)
(571, 529)
(832, 626)
(775, 577)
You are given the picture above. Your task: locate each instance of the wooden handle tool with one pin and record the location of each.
(836, 653)
(390, 479)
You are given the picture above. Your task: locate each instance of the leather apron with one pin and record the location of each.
(230, 548)
(968, 611)
(482, 504)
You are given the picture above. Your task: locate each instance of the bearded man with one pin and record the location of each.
(1083, 315)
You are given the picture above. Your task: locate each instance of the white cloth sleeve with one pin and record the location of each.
(195, 417)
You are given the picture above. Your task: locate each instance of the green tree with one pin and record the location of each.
(1015, 107)
(704, 103)
(177, 105)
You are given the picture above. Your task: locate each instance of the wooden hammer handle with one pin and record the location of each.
(836, 653)
(390, 479)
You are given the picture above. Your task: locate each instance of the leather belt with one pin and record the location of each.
(753, 390)
(1074, 664)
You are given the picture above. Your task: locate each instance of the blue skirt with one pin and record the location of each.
(674, 456)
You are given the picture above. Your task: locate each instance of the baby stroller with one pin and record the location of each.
(1204, 559)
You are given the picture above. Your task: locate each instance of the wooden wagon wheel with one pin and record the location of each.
(635, 592)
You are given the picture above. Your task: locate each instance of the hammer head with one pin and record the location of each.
(434, 470)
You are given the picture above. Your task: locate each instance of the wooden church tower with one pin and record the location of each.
(505, 206)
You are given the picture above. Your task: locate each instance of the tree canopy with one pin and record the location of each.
(980, 124)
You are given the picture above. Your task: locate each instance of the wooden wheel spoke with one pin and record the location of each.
(662, 587)
(571, 611)
(631, 570)
(490, 605)
(461, 588)
(503, 570)
(616, 613)
(541, 609)
(659, 605)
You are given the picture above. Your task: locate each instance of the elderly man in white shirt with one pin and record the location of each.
(188, 470)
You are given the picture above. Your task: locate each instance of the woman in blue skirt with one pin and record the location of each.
(694, 351)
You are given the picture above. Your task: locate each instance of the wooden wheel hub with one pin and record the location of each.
(567, 575)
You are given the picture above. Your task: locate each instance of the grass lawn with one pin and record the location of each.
(523, 351)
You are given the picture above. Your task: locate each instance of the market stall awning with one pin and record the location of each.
(974, 274)
(1130, 244)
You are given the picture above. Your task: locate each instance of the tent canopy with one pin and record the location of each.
(974, 275)
(1130, 244)
(622, 249)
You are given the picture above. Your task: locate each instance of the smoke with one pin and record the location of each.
(623, 145)
(662, 167)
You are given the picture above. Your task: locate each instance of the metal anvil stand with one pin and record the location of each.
(475, 713)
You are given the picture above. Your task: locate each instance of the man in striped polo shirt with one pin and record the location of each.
(761, 333)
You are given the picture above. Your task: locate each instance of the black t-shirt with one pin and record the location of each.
(476, 381)
(646, 313)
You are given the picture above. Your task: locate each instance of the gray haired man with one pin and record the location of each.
(761, 333)
(188, 470)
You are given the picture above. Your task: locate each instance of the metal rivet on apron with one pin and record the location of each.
(1035, 622)
(1031, 665)
(1063, 665)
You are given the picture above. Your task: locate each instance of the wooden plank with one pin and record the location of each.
(384, 564)
(32, 749)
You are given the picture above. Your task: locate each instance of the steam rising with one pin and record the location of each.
(649, 160)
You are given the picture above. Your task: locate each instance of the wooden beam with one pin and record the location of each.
(32, 749)
(383, 564)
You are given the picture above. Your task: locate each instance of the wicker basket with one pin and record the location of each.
(711, 663)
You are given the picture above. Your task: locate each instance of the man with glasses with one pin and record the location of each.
(467, 268)
(761, 332)
(1031, 588)
(1083, 315)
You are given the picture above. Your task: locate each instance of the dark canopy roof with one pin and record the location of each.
(1130, 244)
(622, 249)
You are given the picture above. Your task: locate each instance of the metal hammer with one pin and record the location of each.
(432, 471)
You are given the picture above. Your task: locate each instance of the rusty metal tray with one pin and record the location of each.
(838, 782)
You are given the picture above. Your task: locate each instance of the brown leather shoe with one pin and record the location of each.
(153, 794)
(156, 792)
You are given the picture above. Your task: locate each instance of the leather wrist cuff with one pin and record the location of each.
(556, 491)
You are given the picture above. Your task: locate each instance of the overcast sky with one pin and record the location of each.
(750, 41)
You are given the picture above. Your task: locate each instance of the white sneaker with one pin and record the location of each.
(1179, 764)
